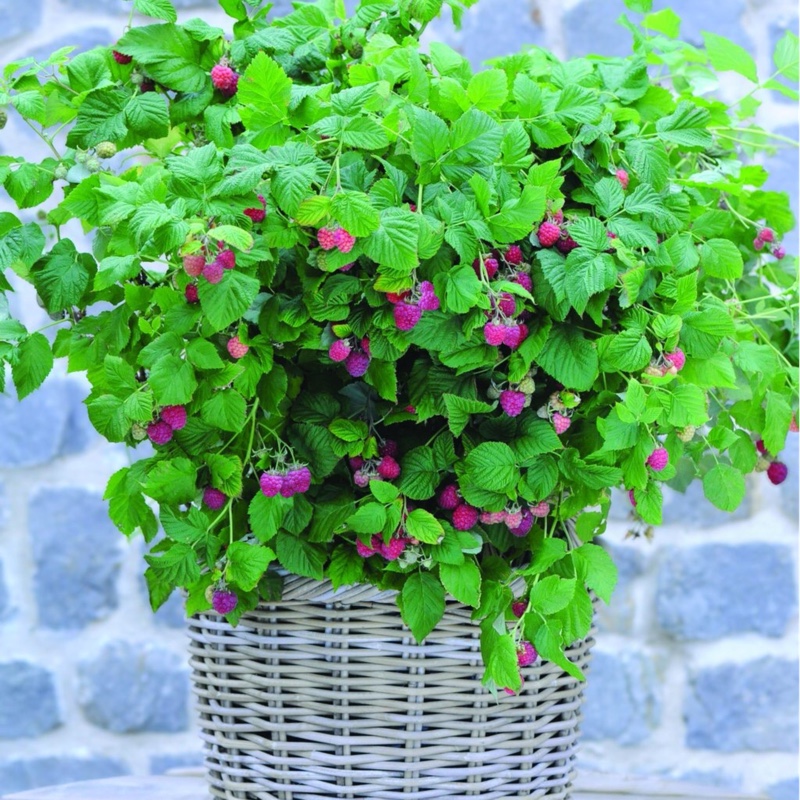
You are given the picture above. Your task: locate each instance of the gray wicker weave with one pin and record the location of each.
(326, 695)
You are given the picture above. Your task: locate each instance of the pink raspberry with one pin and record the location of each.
(394, 297)
(490, 264)
(365, 551)
(194, 264)
(567, 244)
(159, 432)
(761, 447)
(623, 178)
(213, 272)
(343, 240)
(548, 234)
(361, 479)
(561, 423)
(227, 258)
(256, 214)
(779, 253)
(777, 472)
(271, 483)
(213, 498)
(237, 348)
(339, 350)
(174, 416)
(677, 358)
(394, 549)
(632, 497)
(540, 509)
(389, 448)
(121, 58)
(525, 525)
(513, 519)
(512, 692)
(406, 316)
(514, 335)
(464, 517)
(519, 607)
(428, 300)
(758, 244)
(355, 462)
(388, 469)
(492, 517)
(357, 364)
(296, 481)
(224, 601)
(512, 402)
(326, 238)
(514, 254)
(658, 459)
(494, 333)
(526, 654)
(191, 294)
(507, 304)
(224, 79)
(524, 280)
(449, 497)
(766, 235)
(347, 267)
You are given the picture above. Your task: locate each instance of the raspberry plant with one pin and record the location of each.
(385, 320)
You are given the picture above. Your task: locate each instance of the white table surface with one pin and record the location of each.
(191, 786)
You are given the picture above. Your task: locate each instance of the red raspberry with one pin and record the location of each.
(224, 601)
(623, 178)
(777, 472)
(174, 416)
(343, 240)
(406, 316)
(256, 214)
(758, 244)
(194, 264)
(428, 300)
(365, 551)
(525, 525)
(296, 481)
(494, 333)
(347, 267)
(213, 272)
(355, 462)
(513, 519)
(548, 234)
(490, 264)
(357, 364)
(540, 509)
(412, 207)
(492, 517)
(191, 294)
(147, 86)
(237, 348)
(512, 402)
(394, 298)
(224, 79)
(677, 358)
(519, 607)
(514, 254)
(388, 469)
(512, 692)
(658, 459)
(389, 448)
(271, 483)
(159, 432)
(561, 423)
(449, 497)
(761, 447)
(464, 517)
(339, 350)
(326, 238)
(227, 258)
(393, 550)
(632, 497)
(524, 280)
(766, 235)
(365, 345)
(779, 253)
(515, 335)
(214, 498)
(566, 245)
(361, 479)
(121, 58)
(526, 654)
(507, 304)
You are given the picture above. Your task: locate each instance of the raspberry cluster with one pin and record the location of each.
(391, 550)
(409, 306)
(518, 519)
(765, 238)
(666, 364)
(559, 409)
(354, 353)
(335, 239)
(171, 419)
(552, 231)
(777, 471)
(286, 482)
(384, 467)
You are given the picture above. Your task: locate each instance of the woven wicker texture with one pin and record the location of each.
(327, 695)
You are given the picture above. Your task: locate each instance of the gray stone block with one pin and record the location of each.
(618, 616)
(163, 763)
(785, 790)
(718, 590)
(130, 687)
(23, 775)
(31, 431)
(81, 40)
(19, 18)
(621, 699)
(691, 509)
(123, 8)
(28, 701)
(79, 433)
(789, 488)
(743, 706)
(78, 553)
(5, 602)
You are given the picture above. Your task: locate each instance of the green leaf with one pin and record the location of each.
(721, 258)
(62, 276)
(147, 115)
(230, 234)
(546, 554)
(459, 410)
(475, 136)
(226, 473)
(777, 418)
(33, 360)
(172, 381)
(422, 603)
(422, 525)
(665, 21)
(786, 56)
(601, 571)
(650, 162)
(225, 302)
(499, 652)
(346, 567)
(687, 126)
(726, 56)
(429, 136)
(177, 566)
(264, 92)
(724, 486)
(160, 9)
(488, 89)
(301, 557)
(513, 221)
(569, 358)
(419, 477)
(551, 594)
(463, 582)
(548, 644)
(265, 515)
(493, 466)
(356, 213)
(394, 244)
(247, 564)
(172, 481)
(226, 410)
(369, 518)
(463, 290)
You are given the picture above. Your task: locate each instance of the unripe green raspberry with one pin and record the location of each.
(60, 172)
(687, 433)
(138, 432)
(3, 118)
(106, 149)
(493, 393)
(81, 157)
(762, 465)
(527, 386)
(93, 164)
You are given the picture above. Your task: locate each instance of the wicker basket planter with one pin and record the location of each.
(326, 695)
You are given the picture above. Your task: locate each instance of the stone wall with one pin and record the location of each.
(696, 672)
